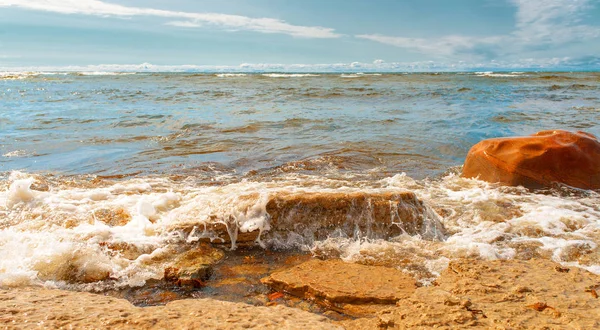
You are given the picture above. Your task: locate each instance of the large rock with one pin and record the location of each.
(38, 308)
(538, 160)
(316, 215)
(373, 215)
(335, 281)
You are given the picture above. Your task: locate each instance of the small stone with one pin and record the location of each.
(193, 267)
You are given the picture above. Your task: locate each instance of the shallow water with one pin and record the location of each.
(93, 162)
(144, 123)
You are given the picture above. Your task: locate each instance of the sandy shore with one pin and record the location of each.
(533, 294)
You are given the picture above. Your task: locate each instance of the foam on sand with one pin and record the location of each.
(79, 235)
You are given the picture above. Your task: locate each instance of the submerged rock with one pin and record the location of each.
(538, 160)
(335, 281)
(193, 267)
(35, 308)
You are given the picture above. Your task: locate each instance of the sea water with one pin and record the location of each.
(163, 150)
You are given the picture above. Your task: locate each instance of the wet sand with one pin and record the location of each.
(502, 294)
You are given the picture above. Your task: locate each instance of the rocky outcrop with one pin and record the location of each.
(335, 281)
(538, 160)
(501, 294)
(374, 215)
(318, 215)
(36, 308)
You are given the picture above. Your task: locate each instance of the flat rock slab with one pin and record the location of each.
(335, 281)
(500, 294)
(36, 308)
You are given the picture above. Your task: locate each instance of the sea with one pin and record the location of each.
(157, 150)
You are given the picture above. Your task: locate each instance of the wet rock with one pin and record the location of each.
(318, 215)
(374, 215)
(193, 267)
(75, 267)
(538, 160)
(117, 217)
(500, 294)
(127, 250)
(34, 308)
(334, 281)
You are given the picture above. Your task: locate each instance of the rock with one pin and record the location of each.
(113, 218)
(374, 215)
(538, 160)
(318, 215)
(35, 308)
(499, 294)
(335, 281)
(193, 267)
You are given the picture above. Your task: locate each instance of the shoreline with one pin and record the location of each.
(470, 293)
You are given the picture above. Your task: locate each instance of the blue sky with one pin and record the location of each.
(313, 34)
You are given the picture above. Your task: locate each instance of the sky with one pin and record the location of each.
(300, 35)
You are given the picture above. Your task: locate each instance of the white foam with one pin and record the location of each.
(229, 75)
(289, 75)
(47, 234)
(499, 75)
(104, 73)
(350, 76)
(15, 154)
(20, 191)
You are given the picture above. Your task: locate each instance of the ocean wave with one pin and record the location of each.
(289, 75)
(101, 234)
(227, 75)
(500, 75)
(350, 75)
(18, 75)
(16, 153)
(102, 73)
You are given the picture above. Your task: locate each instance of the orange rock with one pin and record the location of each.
(538, 160)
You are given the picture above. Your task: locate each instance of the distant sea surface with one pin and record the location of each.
(420, 124)
(175, 147)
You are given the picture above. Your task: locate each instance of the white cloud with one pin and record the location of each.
(539, 23)
(552, 21)
(444, 46)
(186, 24)
(188, 19)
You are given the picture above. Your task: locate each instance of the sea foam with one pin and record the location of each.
(119, 234)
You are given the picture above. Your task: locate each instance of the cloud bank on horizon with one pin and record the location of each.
(544, 34)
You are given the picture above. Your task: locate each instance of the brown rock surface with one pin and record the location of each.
(35, 308)
(538, 160)
(194, 266)
(534, 294)
(335, 281)
(317, 215)
(380, 215)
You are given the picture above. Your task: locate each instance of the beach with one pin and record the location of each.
(162, 192)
